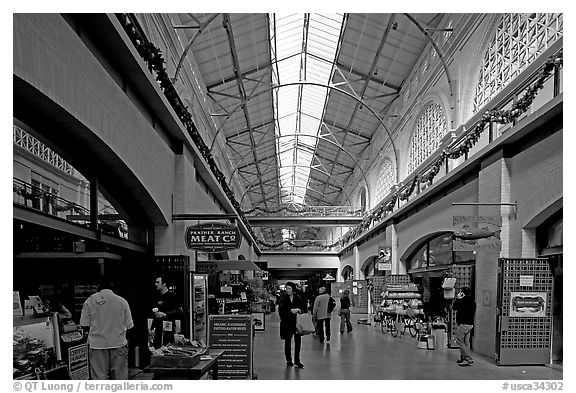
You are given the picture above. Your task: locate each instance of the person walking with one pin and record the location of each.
(345, 312)
(322, 314)
(290, 306)
(465, 307)
(107, 317)
(166, 308)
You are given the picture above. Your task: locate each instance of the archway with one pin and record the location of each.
(347, 273)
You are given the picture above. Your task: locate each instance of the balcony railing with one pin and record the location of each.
(26, 194)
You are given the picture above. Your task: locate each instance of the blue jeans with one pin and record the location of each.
(462, 336)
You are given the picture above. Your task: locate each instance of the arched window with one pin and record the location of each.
(430, 129)
(362, 199)
(386, 179)
(518, 40)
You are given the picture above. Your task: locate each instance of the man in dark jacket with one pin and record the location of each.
(166, 309)
(465, 307)
(290, 306)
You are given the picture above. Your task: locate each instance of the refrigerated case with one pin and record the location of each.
(199, 307)
(36, 345)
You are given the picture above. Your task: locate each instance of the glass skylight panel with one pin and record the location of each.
(300, 60)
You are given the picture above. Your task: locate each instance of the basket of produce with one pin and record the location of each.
(178, 356)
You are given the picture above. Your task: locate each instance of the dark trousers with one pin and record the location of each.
(162, 338)
(320, 327)
(345, 320)
(288, 348)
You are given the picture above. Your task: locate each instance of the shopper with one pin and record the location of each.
(290, 306)
(166, 308)
(321, 314)
(107, 317)
(345, 312)
(465, 307)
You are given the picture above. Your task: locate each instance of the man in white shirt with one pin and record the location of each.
(108, 318)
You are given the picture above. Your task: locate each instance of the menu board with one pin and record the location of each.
(232, 333)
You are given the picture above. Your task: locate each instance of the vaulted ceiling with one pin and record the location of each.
(300, 97)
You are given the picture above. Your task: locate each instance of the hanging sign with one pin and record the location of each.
(384, 261)
(212, 237)
(474, 233)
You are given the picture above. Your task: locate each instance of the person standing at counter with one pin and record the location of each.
(166, 308)
(290, 305)
(107, 317)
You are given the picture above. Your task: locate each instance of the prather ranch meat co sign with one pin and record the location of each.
(212, 237)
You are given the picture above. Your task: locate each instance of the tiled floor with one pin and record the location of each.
(367, 354)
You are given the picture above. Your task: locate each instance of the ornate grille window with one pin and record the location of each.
(430, 129)
(386, 179)
(34, 146)
(518, 40)
(424, 67)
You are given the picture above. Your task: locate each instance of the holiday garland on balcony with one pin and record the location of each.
(289, 209)
(153, 58)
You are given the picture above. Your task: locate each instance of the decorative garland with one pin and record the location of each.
(153, 58)
(302, 209)
(493, 115)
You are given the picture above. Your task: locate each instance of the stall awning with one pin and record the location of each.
(230, 264)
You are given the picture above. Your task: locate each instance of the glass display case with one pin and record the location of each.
(36, 345)
(199, 307)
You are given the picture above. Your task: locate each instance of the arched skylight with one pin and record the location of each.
(303, 49)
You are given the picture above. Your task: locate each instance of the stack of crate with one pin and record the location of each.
(378, 282)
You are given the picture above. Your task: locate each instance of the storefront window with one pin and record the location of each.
(437, 252)
(440, 251)
(420, 259)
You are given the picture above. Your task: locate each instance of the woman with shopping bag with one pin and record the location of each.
(290, 306)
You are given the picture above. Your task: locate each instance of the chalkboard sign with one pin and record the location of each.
(232, 333)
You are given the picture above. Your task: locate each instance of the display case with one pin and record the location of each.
(199, 307)
(36, 346)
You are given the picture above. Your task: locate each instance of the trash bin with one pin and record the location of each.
(440, 338)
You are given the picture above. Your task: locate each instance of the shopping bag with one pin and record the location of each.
(304, 324)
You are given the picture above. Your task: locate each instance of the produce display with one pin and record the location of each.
(30, 355)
